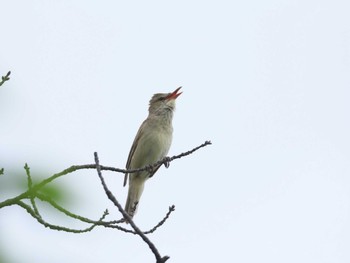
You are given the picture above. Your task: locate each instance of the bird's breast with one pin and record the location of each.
(153, 147)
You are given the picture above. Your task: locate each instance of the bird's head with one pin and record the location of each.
(163, 101)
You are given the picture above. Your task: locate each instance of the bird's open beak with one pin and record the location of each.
(174, 95)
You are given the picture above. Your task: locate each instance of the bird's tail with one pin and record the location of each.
(134, 194)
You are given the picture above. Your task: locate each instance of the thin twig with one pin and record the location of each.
(111, 197)
(167, 160)
(30, 185)
(107, 224)
(55, 227)
(171, 209)
(5, 78)
(49, 200)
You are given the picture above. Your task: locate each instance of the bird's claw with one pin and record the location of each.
(166, 162)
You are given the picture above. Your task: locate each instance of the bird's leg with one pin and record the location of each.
(166, 161)
(150, 169)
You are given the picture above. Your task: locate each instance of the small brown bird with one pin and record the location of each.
(151, 144)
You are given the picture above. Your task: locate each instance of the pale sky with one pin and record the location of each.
(266, 81)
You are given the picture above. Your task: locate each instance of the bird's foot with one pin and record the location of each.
(166, 161)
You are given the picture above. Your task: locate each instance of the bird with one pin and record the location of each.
(151, 144)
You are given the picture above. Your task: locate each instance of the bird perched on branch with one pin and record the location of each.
(151, 144)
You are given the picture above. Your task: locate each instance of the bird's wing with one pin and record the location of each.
(132, 150)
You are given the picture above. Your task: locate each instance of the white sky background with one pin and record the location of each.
(266, 81)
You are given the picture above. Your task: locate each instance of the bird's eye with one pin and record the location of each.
(161, 98)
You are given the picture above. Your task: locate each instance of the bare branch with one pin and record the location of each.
(30, 185)
(55, 227)
(49, 200)
(171, 209)
(166, 160)
(111, 197)
(5, 78)
(107, 224)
